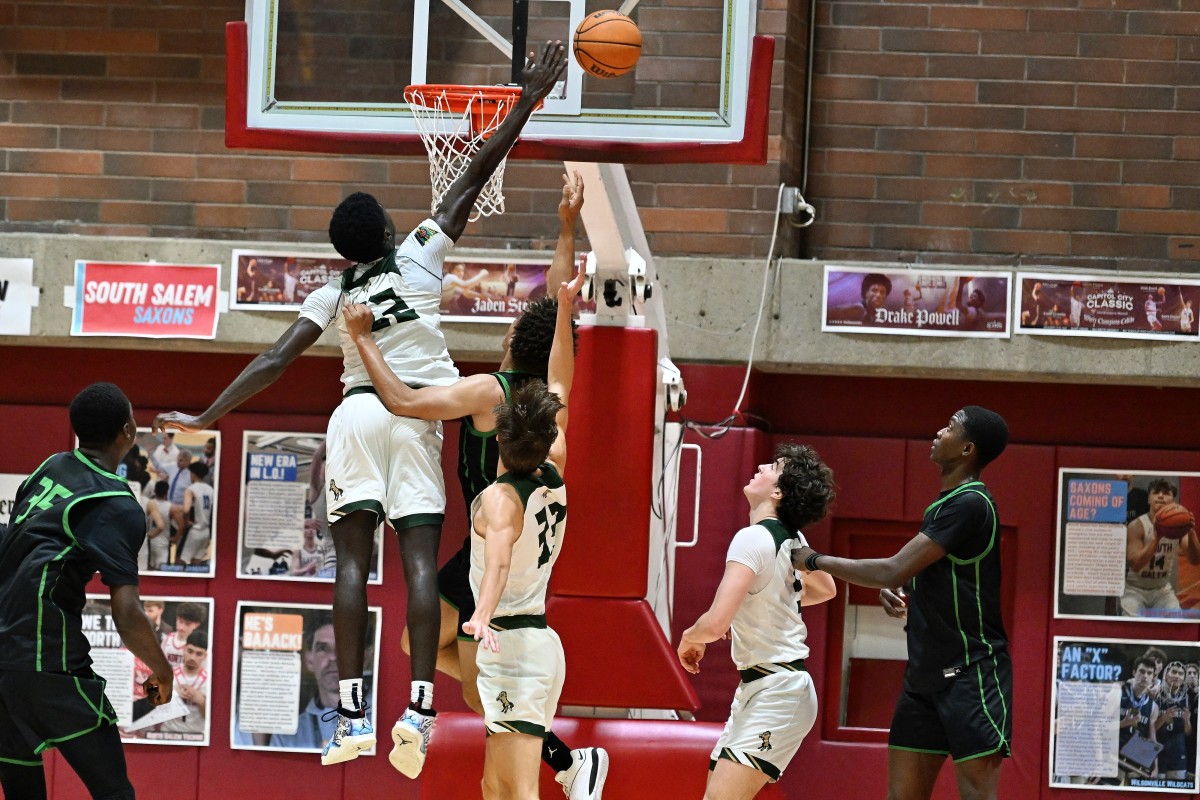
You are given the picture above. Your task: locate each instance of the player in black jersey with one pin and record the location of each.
(73, 517)
(473, 400)
(957, 697)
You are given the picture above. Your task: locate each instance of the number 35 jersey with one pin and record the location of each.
(403, 290)
(544, 498)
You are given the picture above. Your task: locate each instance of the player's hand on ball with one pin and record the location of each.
(690, 654)
(893, 602)
(359, 320)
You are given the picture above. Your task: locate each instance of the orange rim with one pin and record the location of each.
(459, 96)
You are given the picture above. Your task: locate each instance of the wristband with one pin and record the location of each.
(810, 563)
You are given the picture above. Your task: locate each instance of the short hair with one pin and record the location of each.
(1162, 485)
(526, 427)
(199, 469)
(161, 488)
(872, 278)
(357, 227)
(198, 639)
(154, 602)
(1155, 654)
(98, 413)
(1145, 660)
(533, 335)
(982, 295)
(312, 626)
(192, 612)
(988, 431)
(806, 485)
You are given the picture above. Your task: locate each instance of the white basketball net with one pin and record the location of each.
(452, 141)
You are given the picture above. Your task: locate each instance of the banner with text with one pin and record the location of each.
(1127, 545)
(18, 296)
(285, 681)
(490, 290)
(283, 520)
(274, 281)
(183, 626)
(1123, 715)
(9, 483)
(160, 301)
(1055, 304)
(915, 302)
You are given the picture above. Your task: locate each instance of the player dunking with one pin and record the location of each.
(957, 697)
(759, 598)
(378, 466)
(517, 527)
(73, 517)
(474, 399)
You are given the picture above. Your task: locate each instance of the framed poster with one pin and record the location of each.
(1057, 304)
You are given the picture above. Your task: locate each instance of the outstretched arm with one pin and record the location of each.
(260, 373)
(916, 555)
(560, 372)
(135, 631)
(563, 265)
(474, 395)
(538, 79)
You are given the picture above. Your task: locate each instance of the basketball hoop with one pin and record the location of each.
(453, 123)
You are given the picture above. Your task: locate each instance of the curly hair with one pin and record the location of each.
(806, 484)
(99, 413)
(357, 228)
(526, 427)
(533, 334)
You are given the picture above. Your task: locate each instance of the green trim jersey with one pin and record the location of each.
(767, 628)
(544, 499)
(954, 603)
(404, 292)
(478, 454)
(71, 518)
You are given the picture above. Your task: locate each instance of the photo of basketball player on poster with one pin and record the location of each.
(1057, 304)
(1127, 545)
(490, 290)
(262, 281)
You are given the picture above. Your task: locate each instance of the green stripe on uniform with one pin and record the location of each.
(520, 726)
(20, 762)
(374, 506)
(918, 750)
(414, 520)
(515, 621)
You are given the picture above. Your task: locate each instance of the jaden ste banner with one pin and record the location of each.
(163, 301)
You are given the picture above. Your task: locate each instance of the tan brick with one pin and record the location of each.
(1122, 196)
(55, 162)
(1176, 222)
(148, 165)
(678, 220)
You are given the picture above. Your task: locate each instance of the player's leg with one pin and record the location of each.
(911, 775)
(730, 780)
(976, 713)
(99, 761)
(468, 649)
(917, 747)
(448, 656)
(510, 766)
(24, 779)
(979, 778)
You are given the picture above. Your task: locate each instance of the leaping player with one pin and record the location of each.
(381, 467)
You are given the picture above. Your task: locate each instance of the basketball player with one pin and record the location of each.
(73, 517)
(1152, 560)
(1139, 716)
(188, 617)
(191, 684)
(759, 598)
(195, 521)
(1151, 309)
(517, 526)
(957, 696)
(474, 400)
(379, 466)
(1174, 724)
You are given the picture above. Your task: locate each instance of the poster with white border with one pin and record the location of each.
(490, 289)
(279, 280)
(9, 484)
(285, 677)
(184, 626)
(18, 296)
(178, 543)
(283, 521)
(1116, 556)
(1123, 715)
(1158, 308)
(924, 302)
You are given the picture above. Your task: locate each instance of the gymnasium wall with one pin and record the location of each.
(963, 132)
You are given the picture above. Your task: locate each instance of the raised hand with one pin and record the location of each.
(540, 74)
(572, 198)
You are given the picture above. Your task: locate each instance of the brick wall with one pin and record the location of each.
(1047, 131)
(112, 121)
(994, 131)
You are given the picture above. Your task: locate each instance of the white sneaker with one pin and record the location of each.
(350, 737)
(411, 736)
(584, 780)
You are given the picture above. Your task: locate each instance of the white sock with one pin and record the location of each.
(422, 695)
(350, 692)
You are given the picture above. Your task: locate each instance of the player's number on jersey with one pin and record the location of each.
(548, 520)
(398, 309)
(50, 492)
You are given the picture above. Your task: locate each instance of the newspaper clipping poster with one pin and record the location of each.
(490, 290)
(174, 477)
(277, 281)
(1127, 545)
(285, 679)
(1162, 309)
(9, 483)
(916, 303)
(283, 521)
(184, 628)
(1124, 715)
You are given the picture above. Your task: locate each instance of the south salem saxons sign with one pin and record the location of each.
(165, 301)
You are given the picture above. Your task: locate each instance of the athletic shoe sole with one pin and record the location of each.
(406, 755)
(349, 750)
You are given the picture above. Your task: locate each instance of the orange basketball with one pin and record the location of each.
(1173, 521)
(607, 44)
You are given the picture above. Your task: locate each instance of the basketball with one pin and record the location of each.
(1162, 292)
(1173, 521)
(607, 44)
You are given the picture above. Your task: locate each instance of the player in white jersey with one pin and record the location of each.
(379, 466)
(196, 516)
(759, 597)
(191, 686)
(517, 527)
(188, 617)
(1152, 561)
